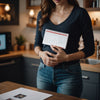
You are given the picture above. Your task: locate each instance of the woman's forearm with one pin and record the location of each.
(37, 50)
(75, 56)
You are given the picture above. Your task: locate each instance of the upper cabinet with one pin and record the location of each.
(93, 8)
(34, 7)
(91, 5)
(33, 4)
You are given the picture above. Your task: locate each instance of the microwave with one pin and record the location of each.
(5, 42)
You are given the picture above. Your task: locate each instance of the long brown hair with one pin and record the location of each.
(46, 8)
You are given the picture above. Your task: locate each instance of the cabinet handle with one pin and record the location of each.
(85, 77)
(7, 63)
(35, 65)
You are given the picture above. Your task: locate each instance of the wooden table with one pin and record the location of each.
(8, 86)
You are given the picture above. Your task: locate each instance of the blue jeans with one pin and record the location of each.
(62, 79)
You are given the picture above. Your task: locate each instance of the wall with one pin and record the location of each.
(29, 33)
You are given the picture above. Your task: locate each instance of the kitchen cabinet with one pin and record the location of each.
(93, 6)
(10, 70)
(30, 67)
(91, 85)
(33, 4)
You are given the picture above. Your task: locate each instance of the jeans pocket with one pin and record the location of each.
(74, 69)
(41, 66)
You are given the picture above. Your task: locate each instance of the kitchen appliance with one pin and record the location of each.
(5, 42)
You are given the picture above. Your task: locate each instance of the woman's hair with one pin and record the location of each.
(46, 8)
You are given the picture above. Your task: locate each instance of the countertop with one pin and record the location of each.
(12, 54)
(8, 86)
(31, 54)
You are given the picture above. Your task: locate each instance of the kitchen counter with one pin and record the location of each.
(92, 68)
(8, 86)
(31, 54)
(12, 54)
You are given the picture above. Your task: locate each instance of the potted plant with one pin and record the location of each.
(20, 40)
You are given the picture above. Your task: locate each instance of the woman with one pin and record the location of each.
(59, 68)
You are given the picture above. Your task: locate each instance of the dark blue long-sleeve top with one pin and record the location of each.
(76, 25)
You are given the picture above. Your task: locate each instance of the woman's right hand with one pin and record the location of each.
(47, 60)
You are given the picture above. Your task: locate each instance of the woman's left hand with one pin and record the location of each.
(61, 56)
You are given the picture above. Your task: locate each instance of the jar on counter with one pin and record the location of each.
(27, 46)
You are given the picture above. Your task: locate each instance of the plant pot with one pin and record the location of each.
(21, 47)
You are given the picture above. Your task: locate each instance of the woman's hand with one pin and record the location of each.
(52, 60)
(47, 60)
(61, 56)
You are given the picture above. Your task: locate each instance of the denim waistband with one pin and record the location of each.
(66, 64)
